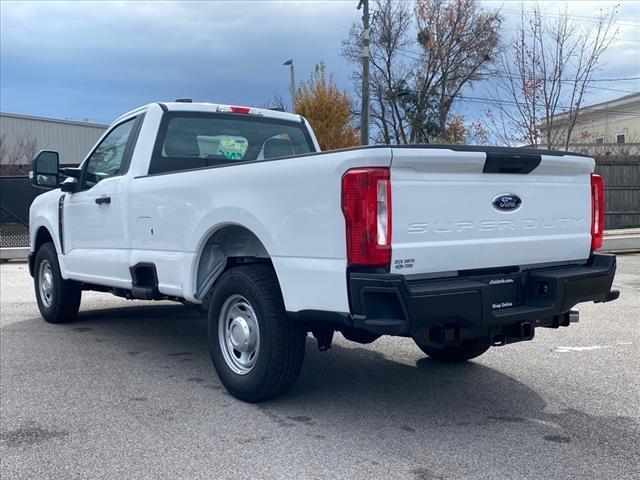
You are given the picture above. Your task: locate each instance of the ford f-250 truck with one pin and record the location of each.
(460, 248)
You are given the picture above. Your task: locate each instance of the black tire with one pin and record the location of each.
(466, 351)
(278, 359)
(63, 302)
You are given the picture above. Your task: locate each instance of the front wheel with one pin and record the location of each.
(460, 353)
(257, 353)
(58, 299)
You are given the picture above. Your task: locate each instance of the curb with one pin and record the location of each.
(622, 241)
(13, 253)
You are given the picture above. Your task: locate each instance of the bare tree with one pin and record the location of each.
(29, 147)
(277, 102)
(422, 58)
(4, 147)
(20, 152)
(459, 41)
(389, 38)
(545, 75)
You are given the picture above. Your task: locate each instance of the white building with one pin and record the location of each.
(607, 128)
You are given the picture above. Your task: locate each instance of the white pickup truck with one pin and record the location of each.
(236, 209)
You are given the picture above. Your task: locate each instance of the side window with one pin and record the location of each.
(106, 160)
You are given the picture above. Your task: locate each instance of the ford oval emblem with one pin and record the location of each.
(507, 202)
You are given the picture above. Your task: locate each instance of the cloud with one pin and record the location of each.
(114, 56)
(98, 59)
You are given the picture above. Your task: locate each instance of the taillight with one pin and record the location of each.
(597, 211)
(366, 204)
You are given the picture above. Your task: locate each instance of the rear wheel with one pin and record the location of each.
(466, 351)
(58, 299)
(256, 352)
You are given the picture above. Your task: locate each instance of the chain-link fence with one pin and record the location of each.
(14, 235)
(16, 195)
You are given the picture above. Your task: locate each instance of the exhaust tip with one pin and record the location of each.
(574, 316)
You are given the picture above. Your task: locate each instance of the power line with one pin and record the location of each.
(585, 19)
(500, 74)
(540, 105)
(511, 102)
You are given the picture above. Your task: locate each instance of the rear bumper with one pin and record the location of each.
(501, 307)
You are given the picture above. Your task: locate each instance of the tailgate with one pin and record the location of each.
(459, 210)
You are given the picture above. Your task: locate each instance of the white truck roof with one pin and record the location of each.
(213, 107)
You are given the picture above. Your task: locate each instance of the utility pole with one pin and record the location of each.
(364, 114)
(293, 84)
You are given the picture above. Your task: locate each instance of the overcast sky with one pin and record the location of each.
(96, 60)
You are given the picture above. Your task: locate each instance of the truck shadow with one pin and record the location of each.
(366, 389)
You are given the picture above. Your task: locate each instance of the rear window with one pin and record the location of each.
(196, 140)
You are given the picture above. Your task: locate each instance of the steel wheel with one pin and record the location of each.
(257, 351)
(238, 334)
(58, 299)
(45, 282)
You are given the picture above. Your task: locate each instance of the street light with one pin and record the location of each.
(293, 84)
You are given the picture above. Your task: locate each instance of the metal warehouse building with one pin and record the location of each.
(21, 136)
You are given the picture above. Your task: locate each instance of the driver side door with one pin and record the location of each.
(94, 221)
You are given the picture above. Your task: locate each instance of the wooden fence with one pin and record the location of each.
(621, 175)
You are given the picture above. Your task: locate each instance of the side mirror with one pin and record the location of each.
(45, 169)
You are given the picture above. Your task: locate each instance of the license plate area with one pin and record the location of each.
(504, 292)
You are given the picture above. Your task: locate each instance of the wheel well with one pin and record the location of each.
(228, 246)
(43, 236)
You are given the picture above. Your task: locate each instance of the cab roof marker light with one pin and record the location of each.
(237, 109)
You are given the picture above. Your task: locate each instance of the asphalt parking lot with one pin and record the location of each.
(129, 392)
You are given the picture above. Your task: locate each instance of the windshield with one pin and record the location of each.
(195, 140)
